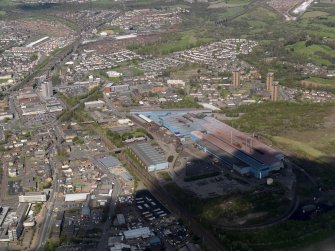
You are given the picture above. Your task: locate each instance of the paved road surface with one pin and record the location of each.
(4, 183)
(47, 223)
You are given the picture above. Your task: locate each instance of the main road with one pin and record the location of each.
(46, 224)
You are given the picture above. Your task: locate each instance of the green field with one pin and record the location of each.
(231, 12)
(301, 128)
(313, 14)
(187, 71)
(319, 54)
(304, 149)
(269, 28)
(322, 81)
(318, 26)
(172, 42)
(258, 14)
(227, 4)
(112, 30)
(186, 102)
(277, 118)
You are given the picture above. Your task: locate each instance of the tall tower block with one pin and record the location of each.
(275, 91)
(44, 88)
(236, 79)
(50, 88)
(47, 89)
(269, 81)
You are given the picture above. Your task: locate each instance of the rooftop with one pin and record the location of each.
(109, 162)
(3, 213)
(148, 154)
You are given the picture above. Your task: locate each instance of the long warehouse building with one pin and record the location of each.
(243, 153)
(148, 157)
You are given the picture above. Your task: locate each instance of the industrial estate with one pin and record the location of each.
(167, 125)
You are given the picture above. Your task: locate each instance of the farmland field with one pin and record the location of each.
(316, 53)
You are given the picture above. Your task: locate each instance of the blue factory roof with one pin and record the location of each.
(224, 150)
(179, 122)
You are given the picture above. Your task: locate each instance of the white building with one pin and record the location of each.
(35, 110)
(125, 122)
(76, 197)
(113, 74)
(94, 104)
(176, 83)
(33, 197)
(5, 115)
(143, 232)
(12, 172)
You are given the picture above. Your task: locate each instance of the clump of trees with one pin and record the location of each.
(186, 102)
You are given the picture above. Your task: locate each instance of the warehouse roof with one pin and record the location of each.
(109, 162)
(76, 197)
(143, 232)
(148, 154)
(219, 146)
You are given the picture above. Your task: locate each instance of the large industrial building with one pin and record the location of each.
(148, 157)
(72, 197)
(143, 232)
(181, 122)
(242, 152)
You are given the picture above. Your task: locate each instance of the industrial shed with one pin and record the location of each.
(110, 162)
(143, 232)
(149, 157)
(76, 197)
